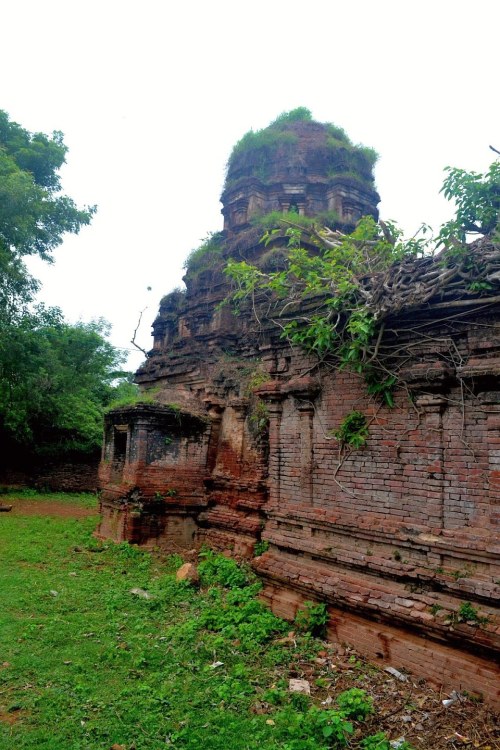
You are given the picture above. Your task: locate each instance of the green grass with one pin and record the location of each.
(85, 664)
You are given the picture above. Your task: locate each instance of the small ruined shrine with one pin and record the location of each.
(230, 443)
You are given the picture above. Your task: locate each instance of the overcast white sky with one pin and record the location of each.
(152, 95)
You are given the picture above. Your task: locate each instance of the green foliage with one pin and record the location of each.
(338, 134)
(219, 570)
(260, 547)
(132, 396)
(377, 741)
(313, 729)
(327, 300)
(380, 386)
(338, 323)
(125, 392)
(255, 379)
(34, 215)
(353, 431)
(258, 419)
(238, 615)
(75, 499)
(207, 256)
(55, 381)
(355, 704)
(480, 286)
(258, 415)
(87, 664)
(299, 114)
(468, 613)
(256, 148)
(55, 378)
(254, 152)
(275, 223)
(477, 202)
(369, 154)
(312, 618)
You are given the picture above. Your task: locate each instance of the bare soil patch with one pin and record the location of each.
(25, 507)
(11, 717)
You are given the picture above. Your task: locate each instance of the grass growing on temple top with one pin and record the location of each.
(89, 661)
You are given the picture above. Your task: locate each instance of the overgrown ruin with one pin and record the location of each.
(232, 444)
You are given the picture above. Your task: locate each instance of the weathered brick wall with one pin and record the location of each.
(152, 476)
(395, 537)
(386, 645)
(55, 476)
(404, 530)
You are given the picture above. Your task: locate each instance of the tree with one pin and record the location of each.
(55, 382)
(34, 213)
(477, 200)
(55, 379)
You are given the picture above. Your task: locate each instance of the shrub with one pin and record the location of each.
(313, 729)
(217, 569)
(355, 703)
(468, 613)
(312, 618)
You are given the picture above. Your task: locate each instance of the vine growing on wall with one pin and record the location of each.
(334, 292)
(337, 290)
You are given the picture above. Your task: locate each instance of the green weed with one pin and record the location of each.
(355, 703)
(468, 613)
(312, 619)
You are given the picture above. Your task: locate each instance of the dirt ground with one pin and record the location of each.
(412, 710)
(24, 507)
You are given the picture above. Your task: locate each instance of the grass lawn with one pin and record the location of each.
(85, 664)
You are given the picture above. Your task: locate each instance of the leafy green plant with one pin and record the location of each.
(340, 324)
(313, 729)
(255, 379)
(380, 386)
(355, 703)
(260, 547)
(353, 431)
(237, 614)
(480, 286)
(468, 613)
(333, 300)
(377, 741)
(258, 418)
(312, 618)
(477, 201)
(221, 570)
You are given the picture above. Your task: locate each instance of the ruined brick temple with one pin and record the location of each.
(232, 443)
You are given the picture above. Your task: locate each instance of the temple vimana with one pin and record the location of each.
(232, 445)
